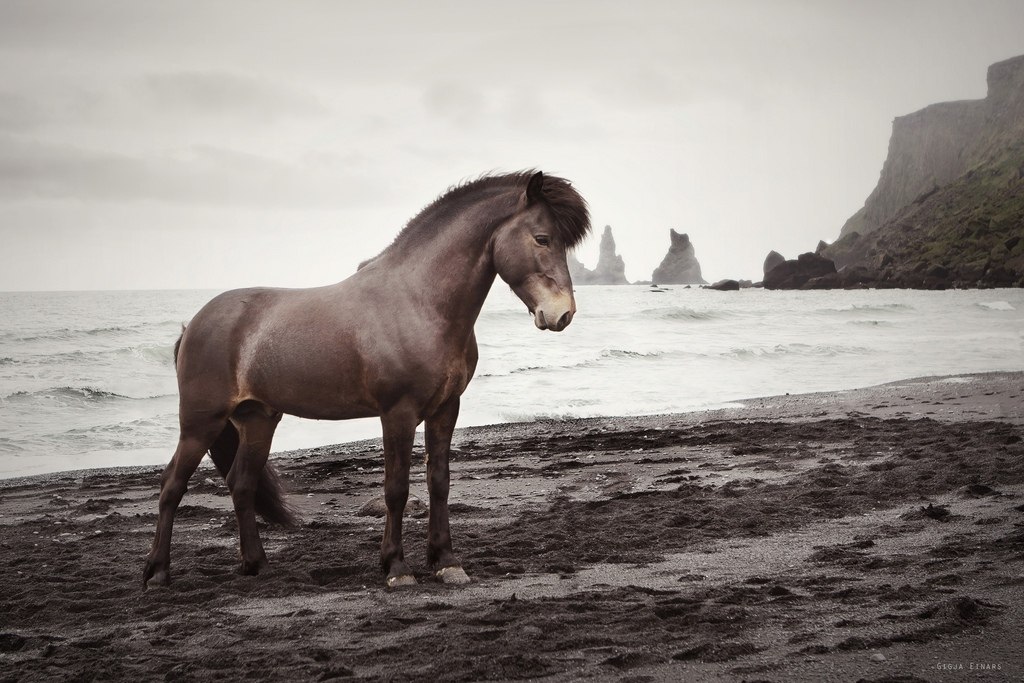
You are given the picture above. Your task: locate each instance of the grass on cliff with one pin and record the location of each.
(965, 226)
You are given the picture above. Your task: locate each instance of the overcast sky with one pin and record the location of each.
(226, 144)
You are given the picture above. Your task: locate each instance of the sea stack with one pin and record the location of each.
(610, 270)
(680, 266)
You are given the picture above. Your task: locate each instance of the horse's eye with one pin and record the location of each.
(542, 240)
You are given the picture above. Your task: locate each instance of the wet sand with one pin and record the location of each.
(875, 535)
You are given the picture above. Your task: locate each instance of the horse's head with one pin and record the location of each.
(529, 255)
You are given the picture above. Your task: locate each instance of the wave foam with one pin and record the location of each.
(996, 305)
(82, 394)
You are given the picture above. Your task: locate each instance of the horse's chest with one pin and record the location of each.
(447, 378)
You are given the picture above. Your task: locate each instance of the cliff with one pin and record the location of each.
(610, 270)
(933, 147)
(680, 265)
(948, 210)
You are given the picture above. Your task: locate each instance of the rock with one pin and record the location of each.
(610, 270)
(857, 276)
(378, 508)
(773, 259)
(797, 273)
(577, 271)
(680, 265)
(725, 286)
(877, 657)
(827, 281)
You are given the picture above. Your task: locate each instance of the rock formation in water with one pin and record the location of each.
(610, 270)
(577, 271)
(948, 210)
(725, 286)
(807, 271)
(680, 266)
(773, 259)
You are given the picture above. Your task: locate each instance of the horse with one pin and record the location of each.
(395, 340)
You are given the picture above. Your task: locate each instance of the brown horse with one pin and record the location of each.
(394, 340)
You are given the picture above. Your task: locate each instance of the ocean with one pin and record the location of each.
(87, 378)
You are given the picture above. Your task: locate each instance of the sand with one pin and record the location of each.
(874, 535)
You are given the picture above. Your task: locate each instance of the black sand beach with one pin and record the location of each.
(874, 535)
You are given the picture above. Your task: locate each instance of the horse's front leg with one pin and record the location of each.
(439, 544)
(399, 430)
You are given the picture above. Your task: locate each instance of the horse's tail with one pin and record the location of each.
(270, 502)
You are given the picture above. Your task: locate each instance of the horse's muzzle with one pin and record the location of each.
(544, 322)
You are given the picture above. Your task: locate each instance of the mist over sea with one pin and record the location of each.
(87, 378)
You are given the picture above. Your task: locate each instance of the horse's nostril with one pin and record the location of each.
(564, 321)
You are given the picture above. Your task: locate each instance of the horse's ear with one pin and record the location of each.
(535, 188)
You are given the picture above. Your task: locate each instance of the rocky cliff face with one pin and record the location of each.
(933, 147)
(680, 266)
(948, 210)
(610, 270)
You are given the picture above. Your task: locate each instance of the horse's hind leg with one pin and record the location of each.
(192, 446)
(399, 431)
(255, 433)
(439, 543)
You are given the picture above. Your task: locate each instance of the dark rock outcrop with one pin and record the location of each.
(725, 286)
(807, 271)
(680, 265)
(610, 270)
(773, 259)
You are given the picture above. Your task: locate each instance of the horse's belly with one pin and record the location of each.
(328, 412)
(316, 396)
(322, 385)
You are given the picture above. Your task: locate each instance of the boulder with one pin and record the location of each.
(680, 265)
(725, 286)
(773, 259)
(795, 274)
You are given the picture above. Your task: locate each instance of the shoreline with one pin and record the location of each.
(873, 533)
(866, 400)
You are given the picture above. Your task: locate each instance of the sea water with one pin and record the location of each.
(87, 378)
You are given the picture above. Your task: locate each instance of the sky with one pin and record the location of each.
(153, 145)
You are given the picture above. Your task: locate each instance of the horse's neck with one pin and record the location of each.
(451, 272)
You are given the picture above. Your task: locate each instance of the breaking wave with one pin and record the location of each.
(75, 394)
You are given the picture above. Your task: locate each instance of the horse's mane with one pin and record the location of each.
(569, 209)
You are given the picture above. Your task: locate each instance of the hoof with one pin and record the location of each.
(252, 568)
(453, 575)
(159, 579)
(155, 576)
(401, 580)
